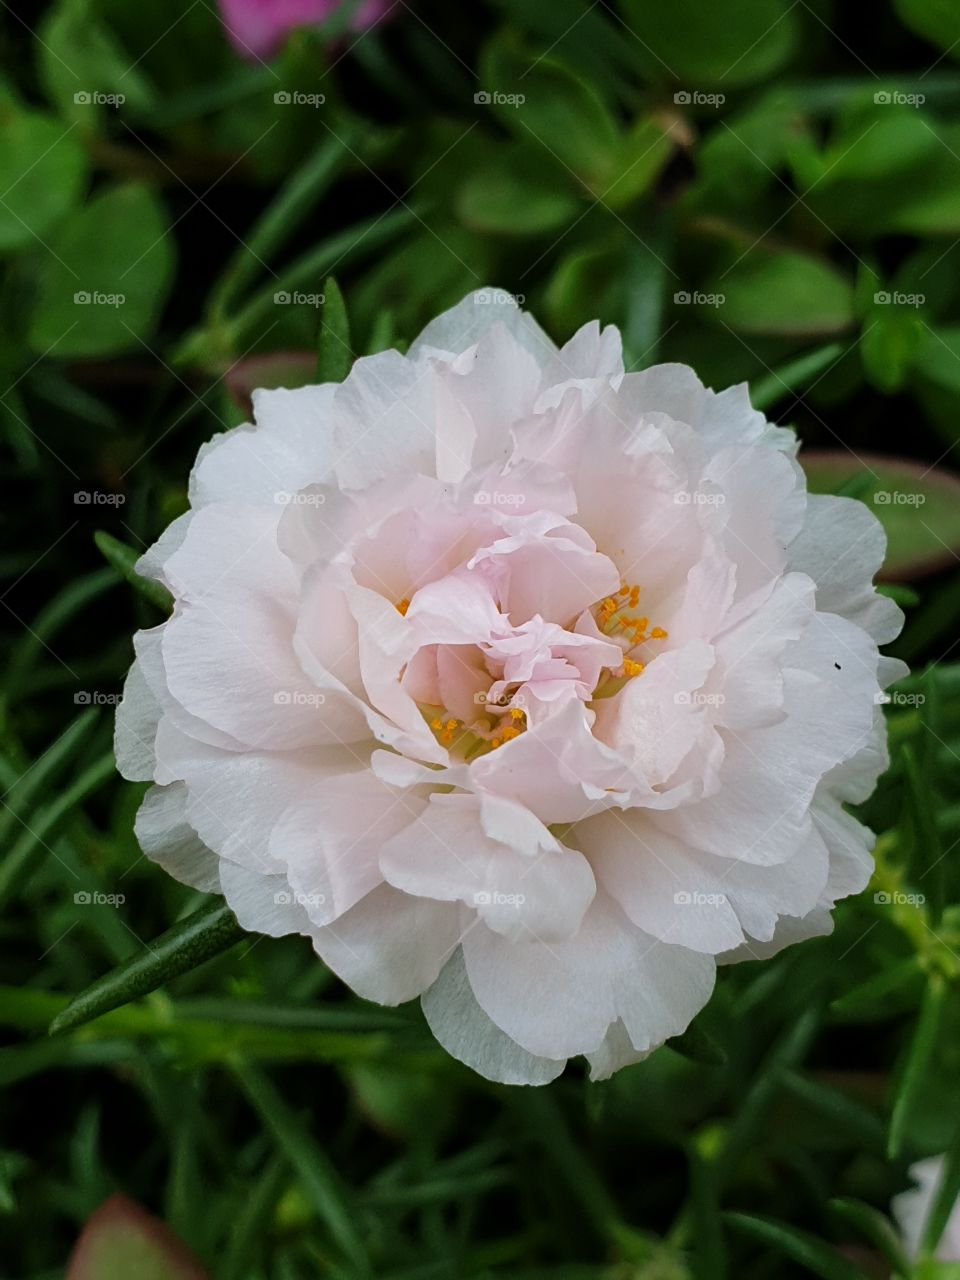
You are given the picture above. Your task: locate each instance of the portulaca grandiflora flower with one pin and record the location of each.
(515, 682)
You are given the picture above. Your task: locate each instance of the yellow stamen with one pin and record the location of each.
(403, 605)
(517, 714)
(658, 633)
(631, 668)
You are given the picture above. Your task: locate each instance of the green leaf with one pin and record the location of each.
(519, 191)
(334, 352)
(927, 865)
(786, 293)
(43, 168)
(122, 1241)
(936, 20)
(799, 1246)
(643, 153)
(291, 205)
(874, 1227)
(700, 43)
(864, 1128)
(698, 1046)
(84, 70)
(795, 376)
(913, 1077)
(540, 99)
(318, 1175)
(123, 558)
(47, 819)
(944, 1198)
(206, 933)
(882, 994)
(103, 284)
(889, 343)
(918, 506)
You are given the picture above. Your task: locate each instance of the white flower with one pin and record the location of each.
(911, 1209)
(515, 682)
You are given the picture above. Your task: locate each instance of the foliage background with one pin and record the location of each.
(799, 160)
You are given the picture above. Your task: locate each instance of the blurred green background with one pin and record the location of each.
(765, 190)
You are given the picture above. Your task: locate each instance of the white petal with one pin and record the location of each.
(330, 840)
(167, 838)
(841, 546)
(465, 324)
(135, 730)
(615, 1052)
(466, 1032)
(390, 947)
(447, 855)
(664, 886)
(291, 447)
(560, 999)
(262, 904)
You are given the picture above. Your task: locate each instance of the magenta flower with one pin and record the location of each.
(258, 28)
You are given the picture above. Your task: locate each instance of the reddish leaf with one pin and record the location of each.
(121, 1241)
(278, 369)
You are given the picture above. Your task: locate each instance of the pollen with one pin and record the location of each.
(658, 633)
(631, 668)
(403, 605)
(517, 714)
